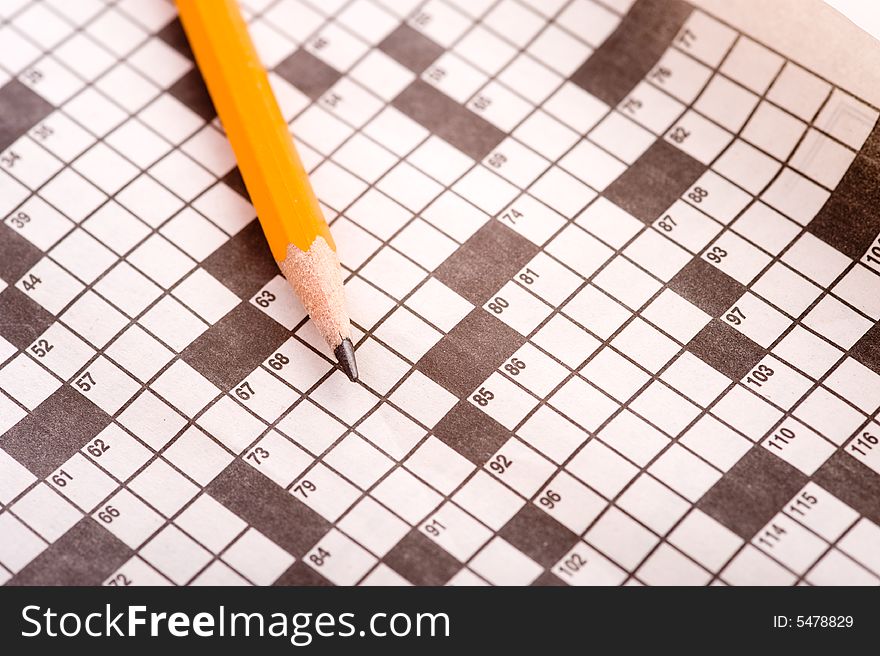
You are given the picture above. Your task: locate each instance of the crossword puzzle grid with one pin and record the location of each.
(613, 273)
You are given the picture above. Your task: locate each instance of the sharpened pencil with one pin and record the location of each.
(276, 180)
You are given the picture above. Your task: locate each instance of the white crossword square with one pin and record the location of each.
(163, 487)
(666, 409)
(520, 467)
(633, 437)
(193, 234)
(358, 460)
(106, 385)
(339, 559)
(501, 564)
(173, 323)
(651, 108)
(128, 289)
(548, 279)
(257, 557)
(117, 452)
(456, 531)
(325, 492)
(210, 522)
(26, 382)
(756, 320)
(807, 351)
(502, 400)
(686, 226)
(175, 554)
(695, 379)
(583, 565)
(830, 415)
(49, 285)
(185, 388)
(645, 345)
(391, 431)
(406, 495)
(21, 545)
(45, 511)
(583, 403)
(718, 444)
(311, 427)
(151, 420)
(570, 502)
(821, 511)
(278, 458)
(486, 499)
(684, 472)
(766, 227)
(789, 543)
(579, 250)
(82, 482)
(37, 221)
(516, 163)
(746, 412)
(439, 465)
(128, 518)
(265, 395)
(653, 504)
(197, 455)
(747, 166)
(552, 434)
(620, 537)
(16, 476)
(373, 526)
(424, 399)
(139, 353)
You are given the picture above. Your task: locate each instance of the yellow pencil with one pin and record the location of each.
(275, 178)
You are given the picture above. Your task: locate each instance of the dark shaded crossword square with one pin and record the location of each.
(434, 110)
(244, 263)
(269, 508)
(21, 319)
(656, 180)
(464, 358)
(538, 535)
(849, 220)
(852, 482)
(58, 427)
(865, 351)
(308, 73)
(707, 287)
(235, 346)
(410, 48)
(17, 255)
(192, 92)
(174, 35)
(726, 349)
(234, 181)
(301, 575)
(632, 50)
(755, 489)
(471, 432)
(548, 580)
(20, 110)
(421, 561)
(86, 555)
(492, 256)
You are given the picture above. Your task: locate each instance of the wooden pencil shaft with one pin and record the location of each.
(270, 166)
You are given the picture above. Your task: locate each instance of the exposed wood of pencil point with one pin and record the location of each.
(277, 182)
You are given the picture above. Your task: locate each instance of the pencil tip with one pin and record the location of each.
(345, 356)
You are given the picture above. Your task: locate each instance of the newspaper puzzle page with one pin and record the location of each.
(613, 268)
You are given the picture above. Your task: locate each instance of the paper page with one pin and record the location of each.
(613, 269)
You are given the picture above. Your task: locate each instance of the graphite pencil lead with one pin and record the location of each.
(345, 356)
